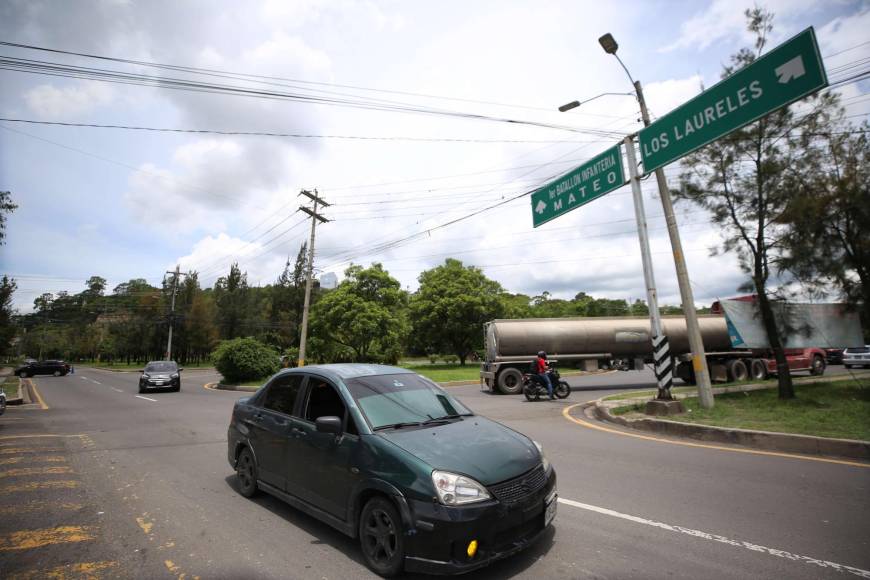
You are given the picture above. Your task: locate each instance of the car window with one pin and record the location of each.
(281, 394)
(401, 398)
(161, 367)
(324, 401)
(858, 350)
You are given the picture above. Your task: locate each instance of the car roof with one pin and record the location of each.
(350, 370)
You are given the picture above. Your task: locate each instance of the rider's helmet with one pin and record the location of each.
(542, 354)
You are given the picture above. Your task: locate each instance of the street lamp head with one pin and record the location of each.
(569, 106)
(608, 43)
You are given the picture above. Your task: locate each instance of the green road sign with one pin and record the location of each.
(600, 175)
(785, 74)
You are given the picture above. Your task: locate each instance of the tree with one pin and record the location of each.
(7, 329)
(829, 239)
(740, 180)
(452, 304)
(366, 313)
(231, 296)
(6, 206)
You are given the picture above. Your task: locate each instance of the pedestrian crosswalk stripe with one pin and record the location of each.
(29, 539)
(25, 471)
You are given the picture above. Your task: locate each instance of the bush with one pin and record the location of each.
(245, 359)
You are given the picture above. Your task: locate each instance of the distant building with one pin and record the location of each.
(329, 281)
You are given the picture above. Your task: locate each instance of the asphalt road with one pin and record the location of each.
(109, 483)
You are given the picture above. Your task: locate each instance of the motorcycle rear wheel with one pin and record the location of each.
(562, 390)
(529, 393)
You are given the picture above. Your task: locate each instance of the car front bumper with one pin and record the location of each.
(439, 541)
(159, 383)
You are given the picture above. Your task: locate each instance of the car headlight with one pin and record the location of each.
(454, 489)
(173, 376)
(146, 376)
(544, 459)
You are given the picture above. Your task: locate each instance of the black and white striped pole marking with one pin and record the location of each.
(664, 366)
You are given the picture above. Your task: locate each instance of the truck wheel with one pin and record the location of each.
(758, 369)
(736, 370)
(818, 366)
(510, 381)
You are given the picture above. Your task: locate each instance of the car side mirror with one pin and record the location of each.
(328, 424)
(141, 370)
(180, 369)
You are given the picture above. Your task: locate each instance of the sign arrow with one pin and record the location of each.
(540, 207)
(792, 69)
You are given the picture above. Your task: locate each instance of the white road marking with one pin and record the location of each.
(717, 538)
(146, 398)
(97, 382)
(117, 390)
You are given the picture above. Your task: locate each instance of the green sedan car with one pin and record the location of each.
(387, 456)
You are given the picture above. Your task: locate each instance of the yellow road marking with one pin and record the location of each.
(84, 570)
(24, 471)
(145, 525)
(38, 506)
(15, 450)
(39, 398)
(33, 486)
(566, 412)
(32, 459)
(29, 539)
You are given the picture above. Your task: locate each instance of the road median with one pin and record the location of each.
(817, 412)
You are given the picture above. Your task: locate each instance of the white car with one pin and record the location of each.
(856, 356)
(2, 402)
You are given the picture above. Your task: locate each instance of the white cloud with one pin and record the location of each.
(724, 20)
(68, 102)
(212, 255)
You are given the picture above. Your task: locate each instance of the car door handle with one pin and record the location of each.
(257, 418)
(297, 432)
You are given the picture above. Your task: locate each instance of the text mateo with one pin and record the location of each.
(722, 108)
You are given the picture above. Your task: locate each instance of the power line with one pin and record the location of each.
(291, 135)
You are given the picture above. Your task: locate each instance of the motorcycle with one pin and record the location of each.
(534, 388)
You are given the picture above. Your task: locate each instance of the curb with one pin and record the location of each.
(223, 387)
(766, 440)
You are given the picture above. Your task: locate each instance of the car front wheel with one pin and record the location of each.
(56, 373)
(382, 537)
(22, 374)
(246, 471)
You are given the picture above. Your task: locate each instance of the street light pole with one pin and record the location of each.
(693, 331)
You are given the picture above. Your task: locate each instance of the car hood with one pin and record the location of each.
(475, 446)
(158, 375)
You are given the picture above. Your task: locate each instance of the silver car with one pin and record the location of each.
(856, 356)
(2, 402)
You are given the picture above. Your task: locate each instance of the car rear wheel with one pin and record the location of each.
(382, 537)
(246, 472)
(23, 374)
(56, 373)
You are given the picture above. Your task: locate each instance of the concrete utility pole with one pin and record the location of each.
(315, 217)
(696, 343)
(175, 275)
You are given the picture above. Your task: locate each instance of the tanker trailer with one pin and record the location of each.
(511, 345)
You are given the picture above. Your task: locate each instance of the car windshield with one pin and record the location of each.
(392, 400)
(161, 367)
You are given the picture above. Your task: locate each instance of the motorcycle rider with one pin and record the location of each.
(543, 369)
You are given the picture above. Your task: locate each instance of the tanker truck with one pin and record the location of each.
(511, 345)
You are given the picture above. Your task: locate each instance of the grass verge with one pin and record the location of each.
(443, 373)
(838, 409)
(10, 387)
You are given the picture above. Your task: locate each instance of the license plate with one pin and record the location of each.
(158, 383)
(550, 511)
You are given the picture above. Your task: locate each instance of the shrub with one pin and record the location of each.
(245, 359)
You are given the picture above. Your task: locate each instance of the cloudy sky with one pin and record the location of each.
(394, 111)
